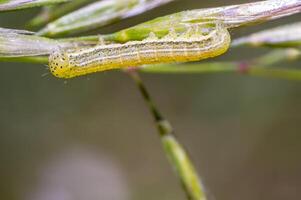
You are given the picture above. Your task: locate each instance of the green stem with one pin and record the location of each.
(241, 68)
(175, 152)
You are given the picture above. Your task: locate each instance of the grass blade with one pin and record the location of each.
(98, 14)
(19, 43)
(51, 13)
(282, 36)
(10, 5)
(249, 13)
(15, 44)
(230, 16)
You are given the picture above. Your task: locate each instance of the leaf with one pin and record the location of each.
(98, 14)
(9, 5)
(51, 13)
(17, 43)
(282, 36)
(231, 16)
(245, 14)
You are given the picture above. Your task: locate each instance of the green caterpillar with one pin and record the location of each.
(192, 45)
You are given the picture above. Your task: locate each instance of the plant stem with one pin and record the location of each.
(175, 152)
(32, 59)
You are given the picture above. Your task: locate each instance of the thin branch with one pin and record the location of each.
(175, 152)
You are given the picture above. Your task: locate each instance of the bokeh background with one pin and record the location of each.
(93, 138)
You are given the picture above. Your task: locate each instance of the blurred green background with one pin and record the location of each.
(93, 138)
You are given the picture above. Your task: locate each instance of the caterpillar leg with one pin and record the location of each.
(151, 37)
(172, 34)
(187, 33)
(193, 32)
(101, 41)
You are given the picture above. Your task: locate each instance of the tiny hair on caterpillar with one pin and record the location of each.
(193, 44)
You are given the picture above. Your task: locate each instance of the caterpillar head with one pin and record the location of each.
(59, 64)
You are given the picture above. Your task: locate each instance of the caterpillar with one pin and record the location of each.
(192, 45)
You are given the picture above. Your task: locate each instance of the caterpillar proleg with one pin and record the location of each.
(192, 45)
